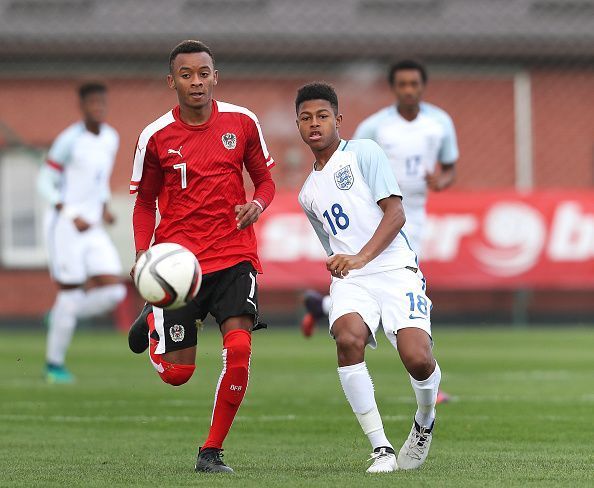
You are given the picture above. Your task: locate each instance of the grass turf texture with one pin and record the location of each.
(521, 415)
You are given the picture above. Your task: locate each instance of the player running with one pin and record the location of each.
(191, 160)
(354, 204)
(420, 141)
(83, 261)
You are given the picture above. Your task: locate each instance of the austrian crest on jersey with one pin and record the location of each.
(177, 333)
(229, 140)
(344, 178)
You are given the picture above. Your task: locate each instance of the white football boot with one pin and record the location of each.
(415, 449)
(384, 460)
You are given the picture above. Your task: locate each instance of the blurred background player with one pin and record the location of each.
(420, 141)
(355, 207)
(191, 160)
(82, 259)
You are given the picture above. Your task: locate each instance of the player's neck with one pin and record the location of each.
(195, 116)
(324, 155)
(93, 127)
(409, 113)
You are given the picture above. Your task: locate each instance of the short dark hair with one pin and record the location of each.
(89, 88)
(407, 64)
(317, 91)
(189, 46)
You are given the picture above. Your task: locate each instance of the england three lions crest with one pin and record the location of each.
(344, 178)
(229, 140)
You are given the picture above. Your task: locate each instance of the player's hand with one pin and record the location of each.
(247, 214)
(339, 265)
(434, 181)
(58, 206)
(133, 270)
(108, 217)
(81, 225)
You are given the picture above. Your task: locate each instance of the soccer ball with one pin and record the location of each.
(168, 276)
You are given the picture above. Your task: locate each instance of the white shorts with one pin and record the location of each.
(393, 299)
(75, 256)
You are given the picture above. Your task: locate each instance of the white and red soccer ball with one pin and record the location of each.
(168, 276)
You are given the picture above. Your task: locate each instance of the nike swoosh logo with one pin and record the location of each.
(412, 317)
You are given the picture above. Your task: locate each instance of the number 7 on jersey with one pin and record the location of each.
(184, 178)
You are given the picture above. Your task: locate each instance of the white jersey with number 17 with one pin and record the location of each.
(341, 199)
(413, 147)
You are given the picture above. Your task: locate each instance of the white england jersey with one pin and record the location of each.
(79, 165)
(341, 199)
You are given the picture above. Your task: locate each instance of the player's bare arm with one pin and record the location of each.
(392, 221)
(443, 178)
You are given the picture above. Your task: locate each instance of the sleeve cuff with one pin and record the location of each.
(258, 202)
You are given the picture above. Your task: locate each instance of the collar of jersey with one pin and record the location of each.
(396, 114)
(206, 125)
(341, 147)
(85, 130)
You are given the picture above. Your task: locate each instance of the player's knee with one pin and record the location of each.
(347, 342)
(67, 300)
(176, 374)
(419, 365)
(116, 293)
(238, 347)
(171, 373)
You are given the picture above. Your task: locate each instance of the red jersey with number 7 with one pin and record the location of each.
(195, 173)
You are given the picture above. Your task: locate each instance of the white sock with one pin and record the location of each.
(358, 388)
(426, 393)
(100, 300)
(62, 321)
(326, 304)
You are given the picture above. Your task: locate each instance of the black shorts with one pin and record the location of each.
(227, 293)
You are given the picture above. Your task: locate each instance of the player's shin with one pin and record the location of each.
(426, 394)
(358, 388)
(231, 387)
(62, 322)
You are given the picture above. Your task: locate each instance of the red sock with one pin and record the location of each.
(237, 348)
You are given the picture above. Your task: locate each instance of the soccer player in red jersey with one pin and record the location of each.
(190, 161)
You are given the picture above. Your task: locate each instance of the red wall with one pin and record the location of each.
(563, 128)
(482, 110)
(481, 106)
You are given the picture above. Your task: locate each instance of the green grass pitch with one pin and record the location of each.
(522, 414)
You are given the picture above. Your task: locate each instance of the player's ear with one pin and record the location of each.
(215, 76)
(338, 121)
(170, 81)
